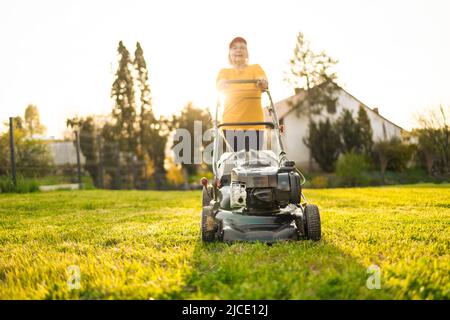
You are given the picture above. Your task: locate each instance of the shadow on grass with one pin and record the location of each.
(285, 270)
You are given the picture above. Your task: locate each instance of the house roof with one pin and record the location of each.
(286, 111)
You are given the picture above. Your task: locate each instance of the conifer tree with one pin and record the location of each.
(323, 142)
(153, 132)
(124, 111)
(313, 73)
(349, 131)
(365, 131)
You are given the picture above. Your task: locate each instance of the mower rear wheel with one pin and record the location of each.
(312, 217)
(208, 227)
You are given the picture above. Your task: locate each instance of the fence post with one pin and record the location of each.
(185, 178)
(77, 137)
(11, 145)
(100, 162)
(118, 177)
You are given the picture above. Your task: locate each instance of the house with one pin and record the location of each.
(64, 153)
(296, 127)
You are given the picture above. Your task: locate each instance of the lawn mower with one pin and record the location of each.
(256, 194)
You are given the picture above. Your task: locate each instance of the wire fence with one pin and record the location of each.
(85, 162)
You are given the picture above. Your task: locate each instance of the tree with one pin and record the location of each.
(400, 155)
(124, 111)
(393, 155)
(356, 135)
(88, 145)
(95, 139)
(313, 73)
(349, 132)
(4, 155)
(427, 150)
(153, 132)
(142, 78)
(18, 124)
(111, 156)
(186, 120)
(324, 144)
(434, 138)
(155, 144)
(365, 131)
(32, 121)
(146, 116)
(382, 152)
(33, 157)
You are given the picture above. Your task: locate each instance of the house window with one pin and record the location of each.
(331, 106)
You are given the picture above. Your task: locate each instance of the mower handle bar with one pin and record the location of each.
(241, 81)
(261, 123)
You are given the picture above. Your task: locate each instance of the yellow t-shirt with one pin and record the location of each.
(242, 100)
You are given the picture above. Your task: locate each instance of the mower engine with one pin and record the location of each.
(264, 189)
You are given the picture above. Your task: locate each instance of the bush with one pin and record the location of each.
(351, 170)
(22, 186)
(433, 139)
(400, 155)
(33, 157)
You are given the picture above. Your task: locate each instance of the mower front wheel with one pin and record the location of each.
(207, 195)
(208, 227)
(312, 223)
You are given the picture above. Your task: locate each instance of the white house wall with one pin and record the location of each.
(295, 129)
(65, 153)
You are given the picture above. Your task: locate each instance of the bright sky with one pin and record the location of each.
(61, 55)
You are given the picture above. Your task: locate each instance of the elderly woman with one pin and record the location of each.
(242, 100)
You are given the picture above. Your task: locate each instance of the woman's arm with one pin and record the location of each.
(221, 84)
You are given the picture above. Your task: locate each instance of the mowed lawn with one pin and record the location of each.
(146, 245)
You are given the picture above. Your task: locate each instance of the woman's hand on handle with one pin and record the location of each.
(222, 85)
(262, 84)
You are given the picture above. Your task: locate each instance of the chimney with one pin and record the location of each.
(376, 110)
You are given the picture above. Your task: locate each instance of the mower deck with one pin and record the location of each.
(243, 227)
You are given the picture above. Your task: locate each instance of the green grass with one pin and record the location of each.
(145, 245)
